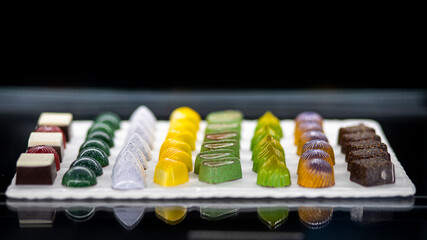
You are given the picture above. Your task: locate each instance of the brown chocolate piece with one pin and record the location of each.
(35, 168)
(351, 146)
(353, 137)
(366, 153)
(351, 164)
(368, 172)
(353, 129)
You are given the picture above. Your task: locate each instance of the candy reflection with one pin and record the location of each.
(315, 217)
(216, 214)
(362, 216)
(273, 217)
(171, 215)
(129, 217)
(36, 217)
(80, 214)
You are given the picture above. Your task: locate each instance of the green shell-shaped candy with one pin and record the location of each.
(101, 135)
(261, 133)
(96, 154)
(273, 173)
(112, 119)
(79, 176)
(273, 217)
(268, 117)
(90, 163)
(98, 143)
(100, 126)
(264, 143)
(264, 155)
(225, 116)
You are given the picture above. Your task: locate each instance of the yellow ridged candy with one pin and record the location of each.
(184, 123)
(178, 155)
(185, 112)
(170, 172)
(183, 135)
(175, 143)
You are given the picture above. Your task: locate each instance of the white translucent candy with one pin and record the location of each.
(129, 217)
(128, 173)
(145, 112)
(143, 134)
(144, 123)
(136, 151)
(139, 142)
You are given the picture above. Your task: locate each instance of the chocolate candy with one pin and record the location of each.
(51, 139)
(79, 176)
(128, 172)
(305, 127)
(90, 163)
(62, 120)
(218, 171)
(264, 155)
(273, 173)
(96, 154)
(313, 154)
(101, 135)
(110, 118)
(355, 137)
(222, 144)
(221, 127)
(316, 173)
(372, 172)
(371, 143)
(212, 155)
(226, 135)
(308, 116)
(97, 143)
(308, 136)
(46, 149)
(34, 169)
(100, 126)
(351, 130)
(170, 172)
(366, 153)
(322, 145)
(53, 129)
(225, 116)
(178, 155)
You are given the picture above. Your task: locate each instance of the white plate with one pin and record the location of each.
(242, 188)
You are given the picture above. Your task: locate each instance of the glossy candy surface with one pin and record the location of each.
(79, 176)
(222, 144)
(308, 136)
(97, 143)
(308, 116)
(96, 154)
(128, 173)
(313, 154)
(90, 163)
(110, 118)
(273, 173)
(305, 127)
(135, 152)
(316, 173)
(264, 155)
(140, 143)
(264, 143)
(170, 172)
(178, 155)
(175, 143)
(100, 126)
(101, 135)
(321, 145)
(46, 149)
(53, 129)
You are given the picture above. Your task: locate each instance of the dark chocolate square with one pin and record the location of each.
(372, 172)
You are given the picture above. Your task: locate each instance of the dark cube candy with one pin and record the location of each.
(368, 172)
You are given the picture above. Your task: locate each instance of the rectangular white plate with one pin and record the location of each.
(242, 188)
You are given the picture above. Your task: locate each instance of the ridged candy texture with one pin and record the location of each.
(313, 154)
(308, 136)
(273, 173)
(322, 145)
(170, 172)
(305, 127)
(264, 155)
(316, 173)
(178, 155)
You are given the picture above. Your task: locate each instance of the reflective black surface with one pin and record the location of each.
(401, 113)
